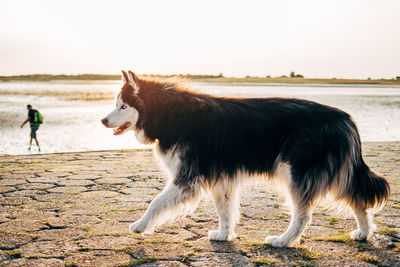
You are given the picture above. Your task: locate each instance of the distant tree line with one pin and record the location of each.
(104, 77)
(89, 77)
(189, 76)
(51, 77)
(207, 77)
(200, 76)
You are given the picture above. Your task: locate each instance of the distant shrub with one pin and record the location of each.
(293, 75)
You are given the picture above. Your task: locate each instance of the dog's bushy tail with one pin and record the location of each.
(368, 189)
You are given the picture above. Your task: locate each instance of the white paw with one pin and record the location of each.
(220, 236)
(277, 241)
(137, 227)
(358, 235)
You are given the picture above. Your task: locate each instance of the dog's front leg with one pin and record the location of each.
(173, 201)
(226, 200)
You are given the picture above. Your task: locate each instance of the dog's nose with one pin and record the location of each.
(104, 121)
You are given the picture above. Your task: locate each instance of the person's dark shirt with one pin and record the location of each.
(31, 115)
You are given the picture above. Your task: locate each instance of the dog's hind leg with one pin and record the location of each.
(226, 200)
(364, 223)
(301, 216)
(174, 200)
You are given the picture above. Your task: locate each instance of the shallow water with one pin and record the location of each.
(72, 111)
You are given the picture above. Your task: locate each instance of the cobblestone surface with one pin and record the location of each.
(74, 209)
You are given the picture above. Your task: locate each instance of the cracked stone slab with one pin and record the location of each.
(14, 201)
(56, 249)
(65, 234)
(165, 263)
(44, 180)
(220, 259)
(12, 181)
(67, 189)
(67, 182)
(80, 176)
(24, 193)
(36, 186)
(100, 194)
(140, 191)
(148, 183)
(113, 181)
(3, 218)
(27, 212)
(51, 175)
(17, 177)
(108, 242)
(13, 240)
(34, 262)
(98, 258)
(135, 198)
(22, 226)
(6, 189)
(110, 228)
(68, 220)
(53, 197)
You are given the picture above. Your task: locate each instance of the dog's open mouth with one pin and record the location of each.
(122, 128)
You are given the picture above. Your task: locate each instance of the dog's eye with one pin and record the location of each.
(124, 106)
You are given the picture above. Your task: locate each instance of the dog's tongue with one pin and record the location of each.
(120, 129)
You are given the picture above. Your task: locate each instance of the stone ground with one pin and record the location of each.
(74, 209)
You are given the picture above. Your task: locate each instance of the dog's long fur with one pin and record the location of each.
(214, 144)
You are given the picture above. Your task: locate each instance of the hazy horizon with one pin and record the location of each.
(284, 75)
(318, 39)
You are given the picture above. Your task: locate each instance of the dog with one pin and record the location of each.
(216, 144)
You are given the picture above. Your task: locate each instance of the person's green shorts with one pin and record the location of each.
(34, 128)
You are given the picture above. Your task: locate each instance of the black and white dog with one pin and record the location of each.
(215, 144)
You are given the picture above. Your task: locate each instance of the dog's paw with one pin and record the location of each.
(359, 235)
(220, 236)
(137, 227)
(277, 241)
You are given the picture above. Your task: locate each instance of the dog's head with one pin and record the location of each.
(126, 113)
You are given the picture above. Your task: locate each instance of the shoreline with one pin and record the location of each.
(81, 152)
(150, 148)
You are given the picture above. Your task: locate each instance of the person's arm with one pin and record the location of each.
(22, 125)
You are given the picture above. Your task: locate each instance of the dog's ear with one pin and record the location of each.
(133, 99)
(125, 77)
(134, 81)
(131, 79)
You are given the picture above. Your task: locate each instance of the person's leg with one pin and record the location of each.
(37, 143)
(33, 135)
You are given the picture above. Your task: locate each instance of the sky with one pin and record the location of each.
(319, 39)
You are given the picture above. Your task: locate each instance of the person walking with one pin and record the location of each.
(35, 119)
